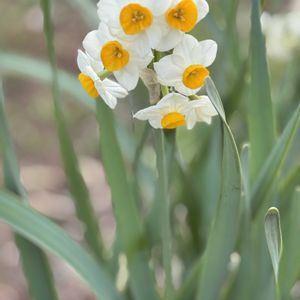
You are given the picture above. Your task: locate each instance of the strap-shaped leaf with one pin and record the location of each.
(289, 266)
(274, 237)
(34, 262)
(47, 235)
(272, 165)
(76, 182)
(129, 226)
(260, 111)
(223, 235)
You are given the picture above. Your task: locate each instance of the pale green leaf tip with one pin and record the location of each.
(273, 211)
(274, 245)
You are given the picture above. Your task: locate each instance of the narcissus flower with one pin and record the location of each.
(176, 110)
(181, 17)
(122, 57)
(186, 69)
(136, 18)
(200, 110)
(90, 79)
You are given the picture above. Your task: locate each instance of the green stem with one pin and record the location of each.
(165, 222)
(104, 74)
(164, 89)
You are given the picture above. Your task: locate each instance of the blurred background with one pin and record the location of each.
(30, 111)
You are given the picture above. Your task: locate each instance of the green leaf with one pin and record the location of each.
(224, 231)
(289, 266)
(75, 180)
(260, 110)
(245, 173)
(47, 235)
(12, 64)
(129, 226)
(272, 165)
(274, 237)
(35, 264)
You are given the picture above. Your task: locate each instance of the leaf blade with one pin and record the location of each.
(129, 227)
(52, 238)
(224, 231)
(260, 110)
(272, 165)
(274, 238)
(34, 262)
(78, 188)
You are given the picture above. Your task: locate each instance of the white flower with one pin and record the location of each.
(186, 69)
(122, 57)
(181, 17)
(175, 110)
(200, 110)
(136, 18)
(107, 89)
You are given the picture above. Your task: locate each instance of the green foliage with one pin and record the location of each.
(190, 206)
(76, 182)
(42, 232)
(35, 264)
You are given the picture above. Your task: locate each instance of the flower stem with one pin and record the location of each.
(104, 74)
(164, 153)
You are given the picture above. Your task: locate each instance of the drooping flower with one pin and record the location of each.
(136, 18)
(176, 110)
(124, 58)
(181, 17)
(186, 69)
(89, 78)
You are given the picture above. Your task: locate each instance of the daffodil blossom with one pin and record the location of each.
(200, 110)
(175, 110)
(181, 17)
(186, 69)
(136, 18)
(89, 78)
(122, 57)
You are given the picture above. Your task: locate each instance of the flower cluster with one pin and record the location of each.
(135, 35)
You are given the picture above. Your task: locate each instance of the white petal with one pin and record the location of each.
(82, 61)
(191, 119)
(203, 9)
(114, 88)
(128, 77)
(174, 102)
(107, 97)
(154, 35)
(156, 122)
(168, 73)
(186, 46)
(92, 44)
(108, 10)
(205, 53)
(91, 73)
(158, 7)
(140, 44)
(181, 88)
(148, 113)
(169, 40)
(204, 109)
(141, 62)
